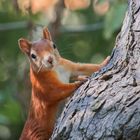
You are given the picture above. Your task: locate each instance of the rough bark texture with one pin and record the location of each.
(107, 106)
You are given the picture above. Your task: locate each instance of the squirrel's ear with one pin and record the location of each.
(46, 34)
(24, 45)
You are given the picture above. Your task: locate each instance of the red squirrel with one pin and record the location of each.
(49, 75)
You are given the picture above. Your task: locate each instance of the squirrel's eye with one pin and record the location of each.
(33, 56)
(54, 46)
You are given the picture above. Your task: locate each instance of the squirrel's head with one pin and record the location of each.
(43, 54)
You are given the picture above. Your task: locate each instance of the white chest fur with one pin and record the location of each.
(63, 74)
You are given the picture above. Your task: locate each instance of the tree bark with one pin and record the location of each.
(107, 106)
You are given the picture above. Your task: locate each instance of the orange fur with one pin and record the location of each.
(44, 101)
(48, 89)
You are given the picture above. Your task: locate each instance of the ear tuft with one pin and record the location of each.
(24, 45)
(46, 34)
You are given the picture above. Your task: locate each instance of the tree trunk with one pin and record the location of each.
(107, 106)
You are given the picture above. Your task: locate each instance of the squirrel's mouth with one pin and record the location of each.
(48, 64)
(45, 67)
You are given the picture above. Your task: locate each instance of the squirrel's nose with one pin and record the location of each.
(50, 60)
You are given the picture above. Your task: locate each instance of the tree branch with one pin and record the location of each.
(107, 107)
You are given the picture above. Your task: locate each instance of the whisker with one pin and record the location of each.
(65, 53)
(40, 68)
(66, 50)
(67, 47)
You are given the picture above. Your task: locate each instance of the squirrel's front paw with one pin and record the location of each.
(79, 83)
(82, 78)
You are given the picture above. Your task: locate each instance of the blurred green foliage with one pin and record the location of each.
(90, 46)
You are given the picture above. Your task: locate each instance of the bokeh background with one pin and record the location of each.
(84, 31)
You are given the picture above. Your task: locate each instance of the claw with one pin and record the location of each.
(82, 78)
